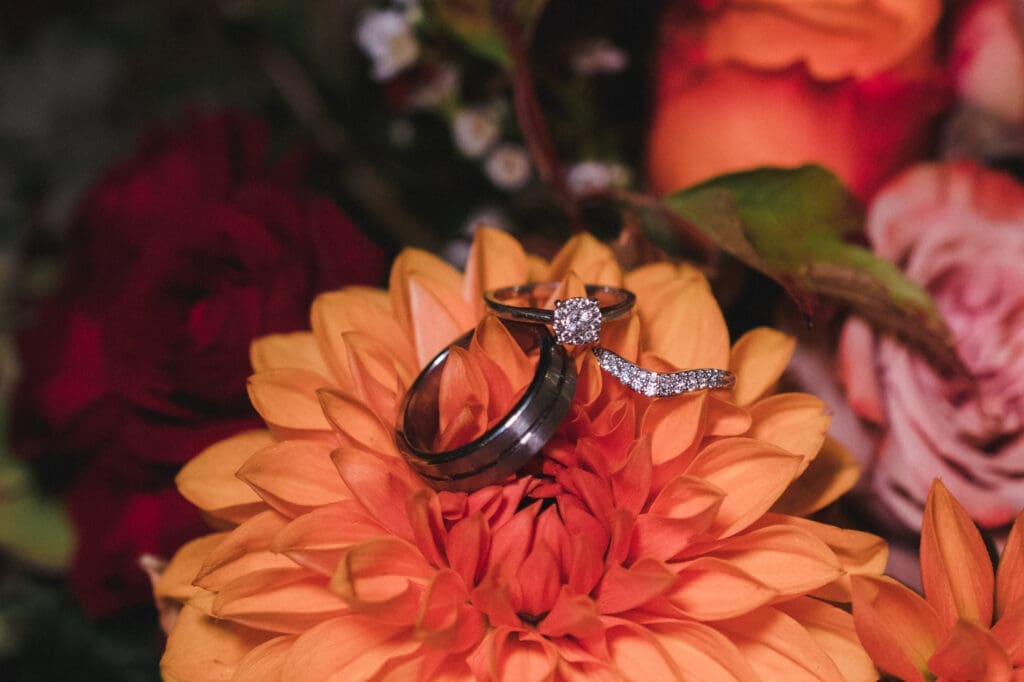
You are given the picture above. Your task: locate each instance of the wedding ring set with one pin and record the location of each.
(517, 437)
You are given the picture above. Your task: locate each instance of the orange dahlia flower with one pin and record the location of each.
(970, 626)
(649, 541)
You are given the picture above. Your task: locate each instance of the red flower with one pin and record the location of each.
(181, 256)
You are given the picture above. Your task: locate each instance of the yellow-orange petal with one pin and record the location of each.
(462, 398)
(700, 652)
(176, 580)
(507, 364)
(281, 600)
(971, 652)
(711, 589)
(622, 588)
(1009, 630)
(295, 476)
(724, 418)
(357, 309)
(208, 479)
(859, 553)
(833, 630)
(1010, 574)
(955, 569)
(573, 615)
(446, 619)
(356, 424)
(593, 261)
(376, 483)
(758, 359)
(383, 576)
(778, 648)
(517, 655)
(296, 350)
(752, 474)
(795, 422)
(377, 377)
(673, 424)
(899, 629)
(287, 398)
(831, 473)
(496, 259)
(647, 280)
(243, 551)
(787, 559)
(683, 324)
(264, 663)
(203, 649)
(351, 648)
(319, 539)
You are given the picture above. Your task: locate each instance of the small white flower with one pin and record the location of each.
(440, 87)
(508, 167)
(587, 177)
(388, 40)
(599, 56)
(475, 130)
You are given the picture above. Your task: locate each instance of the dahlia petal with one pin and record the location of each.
(586, 566)
(175, 582)
(631, 485)
(673, 424)
(208, 479)
(573, 615)
(350, 648)
(446, 620)
(725, 419)
(284, 600)
(243, 551)
(428, 527)
(362, 310)
(899, 629)
(622, 337)
(384, 576)
(682, 511)
(701, 652)
(752, 474)
(795, 422)
(376, 375)
(507, 364)
(319, 539)
(294, 476)
(592, 260)
(831, 473)
(496, 259)
(663, 538)
(437, 317)
(491, 597)
(971, 652)
(356, 424)
(787, 559)
(955, 569)
(758, 359)
(416, 262)
(778, 647)
(537, 582)
(637, 655)
(652, 277)
(297, 350)
(517, 656)
(467, 547)
(462, 401)
(859, 553)
(264, 662)
(511, 542)
(203, 649)
(683, 324)
(623, 589)
(377, 482)
(287, 398)
(620, 525)
(711, 589)
(833, 630)
(1009, 630)
(1010, 574)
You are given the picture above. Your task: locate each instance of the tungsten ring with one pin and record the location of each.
(509, 444)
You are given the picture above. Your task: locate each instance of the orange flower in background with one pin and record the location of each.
(849, 85)
(971, 624)
(652, 539)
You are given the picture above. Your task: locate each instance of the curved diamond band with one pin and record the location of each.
(505, 447)
(576, 321)
(661, 384)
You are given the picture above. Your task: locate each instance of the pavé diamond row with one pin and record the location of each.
(658, 384)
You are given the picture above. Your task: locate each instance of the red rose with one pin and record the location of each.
(181, 256)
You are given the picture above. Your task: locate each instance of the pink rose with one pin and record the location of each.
(958, 230)
(988, 58)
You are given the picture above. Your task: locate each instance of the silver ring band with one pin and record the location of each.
(613, 302)
(661, 384)
(508, 445)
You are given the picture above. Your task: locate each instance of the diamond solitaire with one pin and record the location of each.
(577, 321)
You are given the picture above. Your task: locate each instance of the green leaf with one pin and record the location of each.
(473, 23)
(33, 528)
(791, 225)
